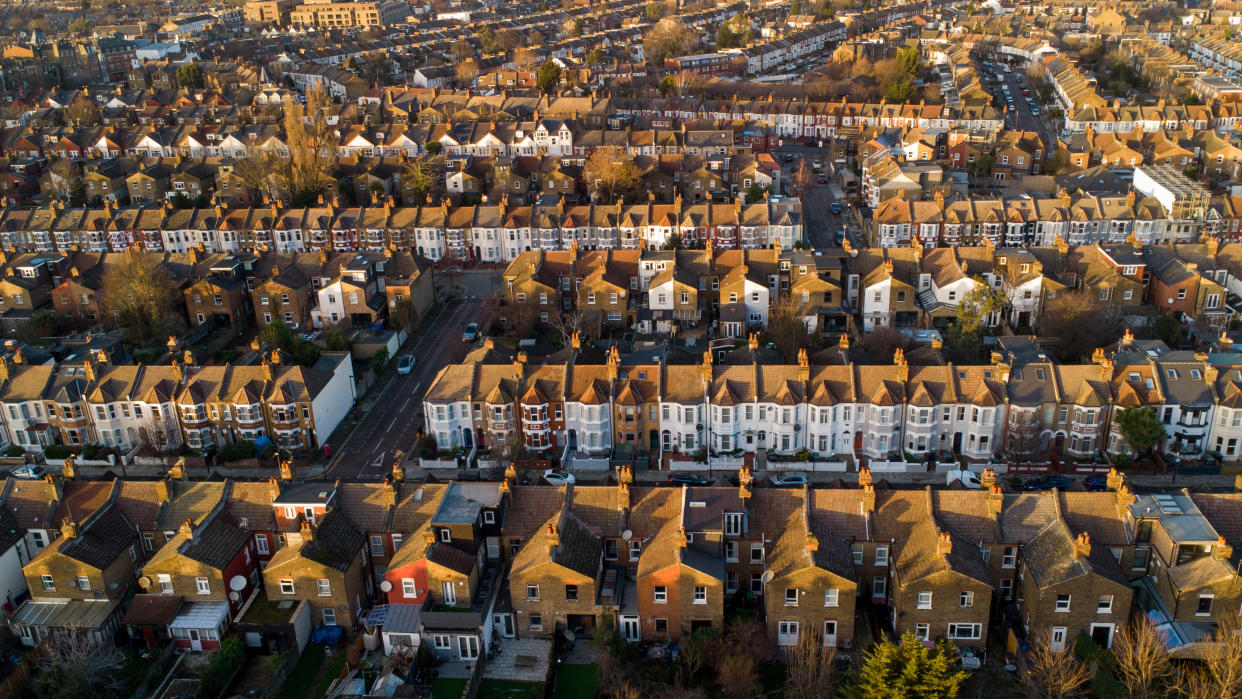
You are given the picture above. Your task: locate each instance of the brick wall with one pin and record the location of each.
(553, 606)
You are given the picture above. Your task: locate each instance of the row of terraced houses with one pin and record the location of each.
(457, 566)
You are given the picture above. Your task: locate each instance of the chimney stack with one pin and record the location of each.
(1082, 545)
(944, 544)
(868, 498)
(1115, 479)
(811, 543)
(286, 470)
(745, 480)
(273, 487)
(1125, 497)
(987, 479)
(308, 532)
(187, 528)
(804, 366)
(1222, 549)
(996, 500)
(69, 529)
(553, 538)
(623, 496)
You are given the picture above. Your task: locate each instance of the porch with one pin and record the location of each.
(199, 626)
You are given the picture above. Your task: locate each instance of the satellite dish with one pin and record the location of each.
(144, 582)
(627, 535)
(237, 583)
(767, 577)
(569, 635)
(234, 596)
(386, 586)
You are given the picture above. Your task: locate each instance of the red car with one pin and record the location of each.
(822, 180)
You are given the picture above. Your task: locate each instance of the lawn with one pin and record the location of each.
(509, 689)
(575, 681)
(447, 687)
(330, 675)
(298, 683)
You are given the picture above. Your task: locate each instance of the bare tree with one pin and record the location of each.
(802, 180)
(610, 172)
(311, 143)
(1220, 674)
(787, 327)
(1143, 663)
(810, 665)
(1023, 438)
(1055, 674)
(260, 171)
(70, 664)
(668, 38)
(567, 324)
(466, 71)
(1078, 323)
(63, 179)
(525, 59)
(138, 293)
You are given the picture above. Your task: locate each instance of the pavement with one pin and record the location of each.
(387, 419)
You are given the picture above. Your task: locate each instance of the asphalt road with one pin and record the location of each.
(821, 225)
(394, 413)
(1022, 118)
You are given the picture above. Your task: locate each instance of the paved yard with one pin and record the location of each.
(523, 660)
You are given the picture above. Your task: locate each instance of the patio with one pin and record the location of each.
(522, 660)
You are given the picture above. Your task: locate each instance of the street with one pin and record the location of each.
(821, 225)
(392, 414)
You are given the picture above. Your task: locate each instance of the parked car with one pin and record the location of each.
(788, 479)
(471, 333)
(968, 478)
(1097, 483)
(834, 208)
(558, 478)
(406, 364)
(30, 472)
(687, 479)
(821, 179)
(1047, 482)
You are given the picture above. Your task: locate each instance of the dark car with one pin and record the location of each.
(1097, 483)
(687, 479)
(1047, 483)
(834, 208)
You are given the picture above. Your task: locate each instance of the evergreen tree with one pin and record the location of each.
(910, 670)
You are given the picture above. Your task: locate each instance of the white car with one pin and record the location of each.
(789, 479)
(558, 478)
(30, 472)
(970, 479)
(406, 364)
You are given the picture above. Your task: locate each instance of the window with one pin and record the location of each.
(1010, 557)
(967, 599)
(925, 600)
(879, 586)
(921, 631)
(1105, 605)
(964, 631)
(1063, 603)
(532, 592)
(203, 586)
(489, 516)
(408, 587)
(260, 544)
(661, 625)
(84, 583)
(148, 542)
(443, 642)
(733, 524)
(571, 593)
(286, 586)
(1205, 605)
(756, 553)
(536, 622)
(377, 546)
(731, 551)
(324, 587)
(857, 550)
(791, 597)
(700, 594)
(636, 549)
(610, 549)
(881, 554)
(48, 584)
(831, 597)
(660, 594)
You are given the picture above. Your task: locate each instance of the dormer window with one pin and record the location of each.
(733, 524)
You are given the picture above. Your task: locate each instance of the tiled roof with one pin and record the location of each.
(416, 503)
(367, 504)
(215, 543)
(251, 503)
(141, 502)
(1224, 511)
(335, 543)
(81, 499)
(530, 506)
(452, 558)
(193, 501)
(152, 610)
(32, 502)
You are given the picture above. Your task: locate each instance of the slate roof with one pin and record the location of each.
(530, 507)
(579, 549)
(1051, 558)
(192, 501)
(336, 542)
(104, 538)
(214, 543)
(10, 531)
(1224, 511)
(416, 503)
(32, 503)
(251, 503)
(367, 504)
(452, 558)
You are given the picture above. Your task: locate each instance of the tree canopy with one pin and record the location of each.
(1141, 427)
(191, 75)
(910, 669)
(549, 77)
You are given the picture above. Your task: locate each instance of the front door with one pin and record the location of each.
(629, 629)
(1057, 640)
(450, 592)
(830, 633)
(468, 647)
(196, 641)
(1102, 634)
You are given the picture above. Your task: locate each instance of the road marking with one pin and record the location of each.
(407, 402)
